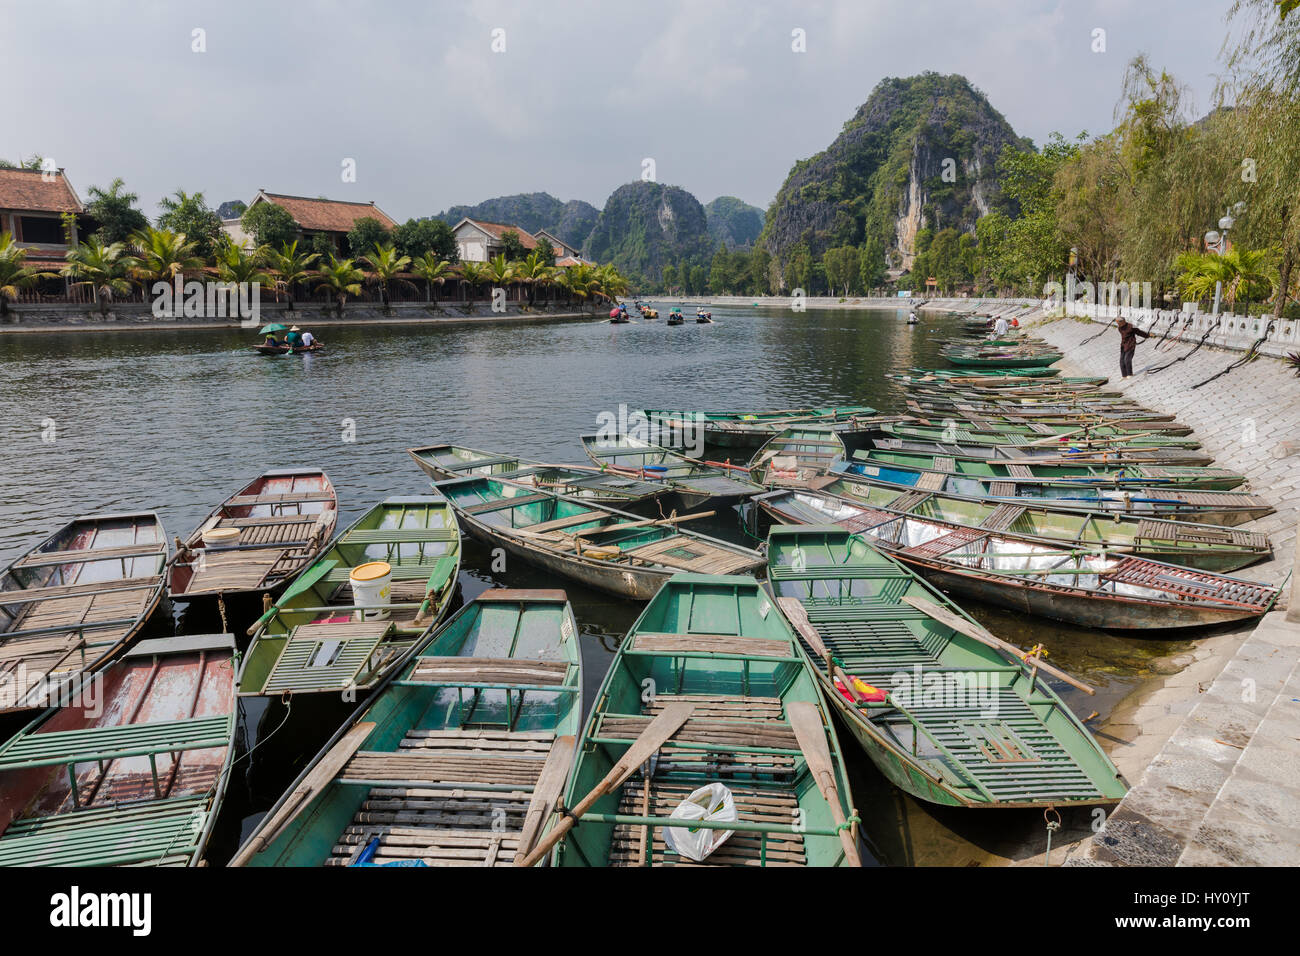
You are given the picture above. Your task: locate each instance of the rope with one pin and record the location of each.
(1251, 354)
(1173, 320)
(221, 606)
(288, 706)
(1052, 826)
(848, 823)
(1160, 368)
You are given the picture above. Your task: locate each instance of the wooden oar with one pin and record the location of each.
(810, 733)
(975, 632)
(797, 614)
(305, 792)
(655, 735)
(546, 792)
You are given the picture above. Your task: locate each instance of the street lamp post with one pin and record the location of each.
(1217, 241)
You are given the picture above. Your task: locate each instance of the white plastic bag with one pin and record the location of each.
(713, 803)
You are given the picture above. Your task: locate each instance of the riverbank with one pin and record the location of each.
(1208, 747)
(841, 302)
(137, 316)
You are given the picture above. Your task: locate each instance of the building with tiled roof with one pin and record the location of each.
(333, 218)
(479, 241)
(563, 250)
(32, 204)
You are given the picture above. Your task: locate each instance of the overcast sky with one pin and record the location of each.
(583, 92)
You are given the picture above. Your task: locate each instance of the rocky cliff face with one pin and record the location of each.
(645, 225)
(571, 221)
(921, 152)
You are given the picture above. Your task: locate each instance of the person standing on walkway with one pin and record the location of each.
(1000, 327)
(1128, 340)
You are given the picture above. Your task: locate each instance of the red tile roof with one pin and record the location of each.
(499, 229)
(329, 215)
(26, 190)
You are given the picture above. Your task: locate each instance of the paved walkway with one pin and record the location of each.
(1214, 747)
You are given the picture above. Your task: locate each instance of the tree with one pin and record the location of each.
(841, 264)
(159, 255)
(499, 272)
(115, 212)
(513, 247)
(238, 264)
(417, 237)
(432, 270)
(189, 215)
(1238, 273)
(14, 275)
(534, 272)
(670, 277)
(269, 224)
(294, 267)
(871, 265)
(386, 263)
(474, 274)
(340, 279)
(105, 268)
(546, 251)
(366, 233)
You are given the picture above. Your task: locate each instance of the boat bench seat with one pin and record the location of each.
(411, 768)
(469, 671)
(399, 535)
(107, 743)
(45, 559)
(403, 572)
(503, 503)
(709, 644)
(162, 832)
(289, 498)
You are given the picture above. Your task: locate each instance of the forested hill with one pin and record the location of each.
(920, 152)
(571, 221)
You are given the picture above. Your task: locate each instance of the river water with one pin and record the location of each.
(174, 421)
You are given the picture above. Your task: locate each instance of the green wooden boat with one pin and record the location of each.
(457, 760)
(745, 429)
(1206, 547)
(1087, 586)
(1051, 452)
(796, 456)
(697, 484)
(610, 550)
(964, 724)
(585, 482)
(1077, 475)
(1210, 507)
(995, 373)
(131, 767)
(1032, 434)
(719, 644)
(318, 638)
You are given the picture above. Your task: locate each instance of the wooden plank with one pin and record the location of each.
(546, 793)
(43, 559)
(710, 643)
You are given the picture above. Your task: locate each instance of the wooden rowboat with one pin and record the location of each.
(746, 429)
(968, 720)
(1101, 452)
(1080, 584)
(696, 484)
(460, 758)
(1079, 475)
(132, 770)
(317, 638)
(716, 650)
(283, 519)
(609, 550)
(584, 482)
(1201, 546)
(1031, 434)
(1210, 507)
(797, 455)
(71, 604)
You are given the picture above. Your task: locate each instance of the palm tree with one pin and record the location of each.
(292, 266)
(14, 276)
(500, 272)
(533, 272)
(579, 282)
(237, 264)
(474, 274)
(159, 255)
(386, 263)
(432, 270)
(341, 279)
(610, 283)
(105, 268)
(1236, 273)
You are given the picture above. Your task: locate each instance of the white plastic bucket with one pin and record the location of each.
(372, 584)
(221, 537)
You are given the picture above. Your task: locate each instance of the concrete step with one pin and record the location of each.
(1172, 809)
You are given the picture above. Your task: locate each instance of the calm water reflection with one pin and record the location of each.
(172, 421)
